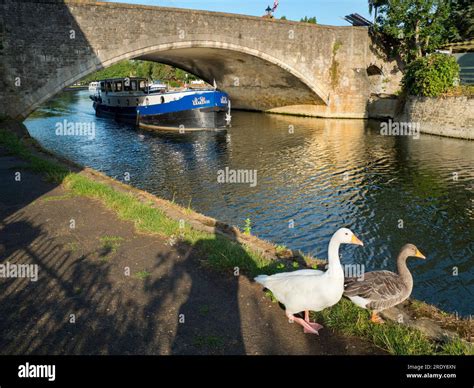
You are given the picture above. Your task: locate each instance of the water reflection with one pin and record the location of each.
(322, 174)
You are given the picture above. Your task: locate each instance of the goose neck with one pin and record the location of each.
(403, 270)
(334, 262)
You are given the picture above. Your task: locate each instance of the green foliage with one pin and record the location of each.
(374, 5)
(280, 248)
(283, 18)
(336, 47)
(334, 69)
(349, 319)
(417, 27)
(146, 69)
(15, 146)
(248, 226)
(462, 20)
(311, 20)
(111, 243)
(457, 347)
(142, 275)
(431, 76)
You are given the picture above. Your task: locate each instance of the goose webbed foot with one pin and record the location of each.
(316, 326)
(308, 327)
(376, 319)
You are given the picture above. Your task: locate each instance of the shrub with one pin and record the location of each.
(431, 76)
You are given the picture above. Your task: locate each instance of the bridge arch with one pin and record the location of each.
(316, 94)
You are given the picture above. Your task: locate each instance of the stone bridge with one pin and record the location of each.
(264, 64)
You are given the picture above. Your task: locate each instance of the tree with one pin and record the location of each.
(462, 19)
(418, 26)
(307, 19)
(431, 76)
(147, 70)
(283, 18)
(374, 6)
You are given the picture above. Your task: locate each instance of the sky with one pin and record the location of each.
(330, 12)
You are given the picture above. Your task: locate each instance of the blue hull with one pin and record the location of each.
(197, 110)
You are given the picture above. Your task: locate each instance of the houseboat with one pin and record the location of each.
(133, 100)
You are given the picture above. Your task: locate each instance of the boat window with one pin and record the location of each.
(109, 86)
(118, 86)
(133, 85)
(142, 85)
(162, 100)
(102, 86)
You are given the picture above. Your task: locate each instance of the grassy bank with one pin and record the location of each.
(223, 254)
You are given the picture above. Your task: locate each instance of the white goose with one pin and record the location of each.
(310, 289)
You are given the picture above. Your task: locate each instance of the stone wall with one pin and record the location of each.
(383, 107)
(444, 116)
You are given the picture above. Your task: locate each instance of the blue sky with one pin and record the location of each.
(326, 11)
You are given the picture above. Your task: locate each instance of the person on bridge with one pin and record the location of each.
(269, 11)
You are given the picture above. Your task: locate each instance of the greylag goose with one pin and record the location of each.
(310, 289)
(380, 290)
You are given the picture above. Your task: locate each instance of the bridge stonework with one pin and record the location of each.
(264, 64)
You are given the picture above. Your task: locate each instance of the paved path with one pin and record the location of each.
(82, 278)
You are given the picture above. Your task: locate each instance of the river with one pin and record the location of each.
(313, 177)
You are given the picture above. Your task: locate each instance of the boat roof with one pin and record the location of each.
(123, 78)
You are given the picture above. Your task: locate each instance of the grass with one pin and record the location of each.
(73, 246)
(204, 310)
(224, 254)
(142, 275)
(459, 91)
(52, 171)
(111, 243)
(458, 348)
(248, 226)
(52, 198)
(347, 318)
(209, 341)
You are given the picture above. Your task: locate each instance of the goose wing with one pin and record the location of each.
(291, 287)
(301, 272)
(381, 289)
(283, 276)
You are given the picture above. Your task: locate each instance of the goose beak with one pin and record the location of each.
(419, 254)
(356, 241)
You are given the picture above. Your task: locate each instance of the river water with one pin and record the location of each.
(313, 177)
